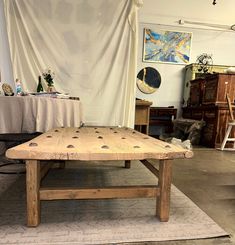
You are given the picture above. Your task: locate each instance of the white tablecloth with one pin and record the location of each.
(30, 114)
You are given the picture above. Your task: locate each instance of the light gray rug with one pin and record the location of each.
(99, 221)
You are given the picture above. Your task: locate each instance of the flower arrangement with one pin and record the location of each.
(49, 75)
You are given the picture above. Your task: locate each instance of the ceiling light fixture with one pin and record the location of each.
(214, 2)
(233, 27)
(210, 25)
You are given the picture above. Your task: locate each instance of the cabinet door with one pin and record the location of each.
(216, 88)
(208, 134)
(210, 130)
(196, 91)
(210, 90)
(197, 114)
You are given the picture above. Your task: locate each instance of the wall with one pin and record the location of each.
(159, 14)
(166, 14)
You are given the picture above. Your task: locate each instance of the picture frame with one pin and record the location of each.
(166, 46)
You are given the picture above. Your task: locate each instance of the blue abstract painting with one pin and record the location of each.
(167, 46)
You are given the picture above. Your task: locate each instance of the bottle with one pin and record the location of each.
(18, 87)
(39, 87)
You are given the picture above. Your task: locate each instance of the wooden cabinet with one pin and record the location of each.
(217, 86)
(142, 109)
(196, 91)
(191, 72)
(207, 102)
(216, 118)
(212, 89)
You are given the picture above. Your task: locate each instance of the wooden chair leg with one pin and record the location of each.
(226, 137)
(127, 163)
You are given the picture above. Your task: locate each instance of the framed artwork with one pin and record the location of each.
(167, 46)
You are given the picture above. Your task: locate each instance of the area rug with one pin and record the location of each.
(99, 221)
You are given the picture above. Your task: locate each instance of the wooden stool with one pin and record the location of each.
(229, 129)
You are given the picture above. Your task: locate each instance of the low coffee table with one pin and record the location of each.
(99, 144)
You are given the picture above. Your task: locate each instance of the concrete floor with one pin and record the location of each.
(209, 180)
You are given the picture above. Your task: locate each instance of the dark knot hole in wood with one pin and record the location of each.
(104, 147)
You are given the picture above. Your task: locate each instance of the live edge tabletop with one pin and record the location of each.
(96, 143)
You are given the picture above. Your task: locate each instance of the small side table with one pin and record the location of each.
(142, 109)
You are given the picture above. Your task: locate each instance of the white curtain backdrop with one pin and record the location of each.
(91, 45)
(5, 61)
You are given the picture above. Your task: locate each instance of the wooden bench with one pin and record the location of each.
(96, 143)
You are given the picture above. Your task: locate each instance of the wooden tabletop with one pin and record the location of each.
(96, 143)
(140, 102)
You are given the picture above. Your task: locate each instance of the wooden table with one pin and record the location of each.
(142, 108)
(96, 143)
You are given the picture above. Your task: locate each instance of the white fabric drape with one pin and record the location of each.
(5, 61)
(91, 45)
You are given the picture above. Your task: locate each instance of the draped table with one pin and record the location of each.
(24, 115)
(30, 114)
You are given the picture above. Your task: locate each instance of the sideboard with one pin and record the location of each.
(212, 89)
(191, 72)
(207, 102)
(216, 118)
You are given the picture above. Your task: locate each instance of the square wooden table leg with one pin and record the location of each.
(32, 189)
(164, 183)
(127, 163)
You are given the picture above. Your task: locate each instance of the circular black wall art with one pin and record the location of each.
(148, 80)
